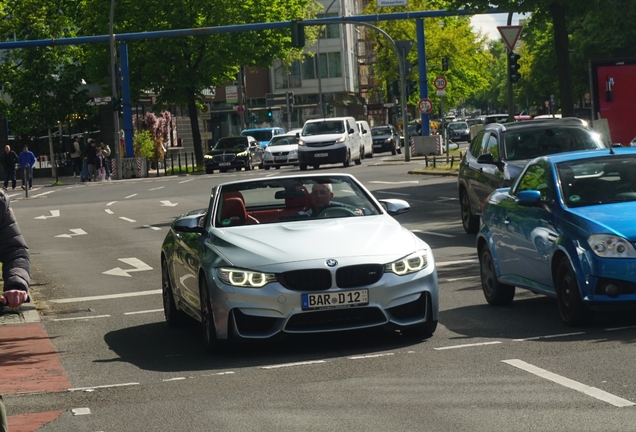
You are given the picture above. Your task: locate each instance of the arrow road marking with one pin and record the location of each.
(75, 231)
(167, 203)
(138, 265)
(111, 203)
(54, 213)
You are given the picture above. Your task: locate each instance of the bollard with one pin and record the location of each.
(165, 165)
(192, 159)
(172, 162)
(26, 175)
(157, 162)
(179, 161)
(426, 161)
(186, 158)
(452, 160)
(434, 161)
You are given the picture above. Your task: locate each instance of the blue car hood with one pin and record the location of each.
(379, 239)
(617, 218)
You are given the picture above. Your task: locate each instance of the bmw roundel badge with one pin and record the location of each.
(332, 262)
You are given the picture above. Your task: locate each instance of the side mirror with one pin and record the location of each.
(486, 158)
(190, 224)
(528, 198)
(395, 207)
(352, 131)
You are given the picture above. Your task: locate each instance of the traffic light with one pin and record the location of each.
(394, 88)
(411, 87)
(297, 34)
(269, 114)
(444, 63)
(513, 68)
(117, 106)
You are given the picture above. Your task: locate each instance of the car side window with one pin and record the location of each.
(536, 177)
(475, 145)
(489, 145)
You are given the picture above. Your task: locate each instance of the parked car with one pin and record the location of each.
(459, 131)
(234, 152)
(386, 139)
(366, 141)
(496, 118)
(547, 116)
(263, 135)
(498, 153)
(564, 229)
(282, 150)
(329, 141)
(255, 264)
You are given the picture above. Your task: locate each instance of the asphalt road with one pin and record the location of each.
(95, 254)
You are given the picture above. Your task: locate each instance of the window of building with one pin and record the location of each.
(331, 31)
(287, 76)
(309, 67)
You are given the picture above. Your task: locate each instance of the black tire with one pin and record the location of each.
(347, 161)
(303, 167)
(278, 167)
(261, 165)
(223, 170)
(174, 317)
(496, 293)
(470, 222)
(362, 155)
(573, 312)
(211, 343)
(371, 154)
(359, 160)
(316, 166)
(266, 167)
(393, 151)
(249, 166)
(209, 171)
(424, 330)
(399, 150)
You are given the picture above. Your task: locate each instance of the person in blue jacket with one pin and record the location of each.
(26, 157)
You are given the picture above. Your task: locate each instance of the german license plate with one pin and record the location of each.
(280, 158)
(377, 145)
(321, 154)
(335, 300)
(224, 164)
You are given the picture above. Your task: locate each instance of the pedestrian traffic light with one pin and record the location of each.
(411, 87)
(117, 106)
(444, 63)
(297, 34)
(513, 68)
(394, 88)
(269, 114)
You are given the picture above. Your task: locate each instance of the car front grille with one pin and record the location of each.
(321, 144)
(306, 280)
(224, 158)
(379, 141)
(280, 153)
(335, 319)
(359, 275)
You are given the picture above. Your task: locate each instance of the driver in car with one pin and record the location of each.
(321, 196)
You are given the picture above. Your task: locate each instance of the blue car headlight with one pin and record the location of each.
(611, 246)
(244, 278)
(411, 264)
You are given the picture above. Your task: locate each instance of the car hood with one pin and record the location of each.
(282, 148)
(258, 247)
(614, 218)
(230, 150)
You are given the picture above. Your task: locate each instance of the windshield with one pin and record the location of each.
(259, 135)
(458, 125)
(291, 199)
(324, 128)
(604, 180)
(532, 143)
(229, 143)
(283, 140)
(380, 131)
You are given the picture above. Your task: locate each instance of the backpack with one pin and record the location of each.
(70, 147)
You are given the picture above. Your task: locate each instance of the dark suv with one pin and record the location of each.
(385, 138)
(499, 152)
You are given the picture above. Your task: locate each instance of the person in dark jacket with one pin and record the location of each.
(9, 159)
(91, 158)
(16, 270)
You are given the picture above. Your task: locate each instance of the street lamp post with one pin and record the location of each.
(113, 83)
(320, 99)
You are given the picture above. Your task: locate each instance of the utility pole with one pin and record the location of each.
(113, 83)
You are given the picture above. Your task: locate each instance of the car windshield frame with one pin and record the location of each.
(324, 127)
(285, 200)
(597, 181)
(232, 143)
(530, 143)
(259, 135)
(381, 131)
(458, 126)
(280, 140)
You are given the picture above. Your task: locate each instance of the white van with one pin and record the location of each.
(366, 140)
(329, 141)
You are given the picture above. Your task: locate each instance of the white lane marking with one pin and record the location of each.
(185, 181)
(81, 411)
(143, 312)
(370, 356)
(432, 233)
(12, 195)
(130, 196)
(157, 188)
(127, 219)
(75, 231)
(54, 213)
(154, 228)
(174, 379)
(548, 336)
(109, 211)
(466, 345)
(111, 203)
(620, 328)
(294, 364)
(43, 193)
(106, 296)
(138, 265)
(167, 203)
(102, 386)
(392, 193)
(219, 373)
(574, 385)
(81, 318)
(447, 263)
(398, 182)
(461, 278)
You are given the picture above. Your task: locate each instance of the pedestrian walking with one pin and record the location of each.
(9, 160)
(27, 163)
(91, 155)
(76, 157)
(106, 152)
(16, 271)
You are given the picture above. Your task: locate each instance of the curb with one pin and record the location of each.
(25, 314)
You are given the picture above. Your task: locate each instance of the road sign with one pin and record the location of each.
(510, 34)
(425, 106)
(240, 109)
(440, 83)
(441, 92)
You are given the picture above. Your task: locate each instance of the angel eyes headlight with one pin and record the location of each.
(411, 264)
(241, 154)
(610, 246)
(244, 278)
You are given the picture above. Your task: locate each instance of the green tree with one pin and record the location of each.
(179, 69)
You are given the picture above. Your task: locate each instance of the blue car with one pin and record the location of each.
(263, 135)
(565, 228)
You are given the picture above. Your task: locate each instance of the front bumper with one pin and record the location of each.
(237, 163)
(380, 146)
(318, 156)
(280, 160)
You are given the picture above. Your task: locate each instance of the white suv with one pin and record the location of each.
(329, 141)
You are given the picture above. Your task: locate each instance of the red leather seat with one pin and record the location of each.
(233, 213)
